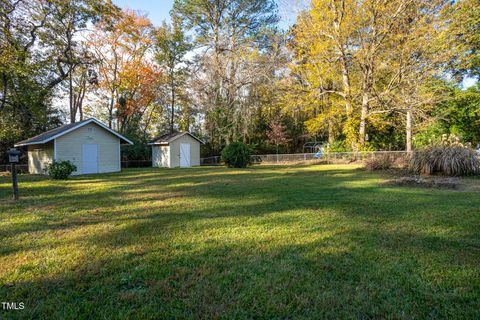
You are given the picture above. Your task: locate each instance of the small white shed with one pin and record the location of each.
(178, 149)
(90, 145)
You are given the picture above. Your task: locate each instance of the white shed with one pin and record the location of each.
(90, 145)
(178, 149)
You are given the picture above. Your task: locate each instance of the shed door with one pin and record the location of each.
(184, 155)
(89, 158)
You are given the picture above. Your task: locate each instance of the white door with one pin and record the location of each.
(184, 155)
(89, 158)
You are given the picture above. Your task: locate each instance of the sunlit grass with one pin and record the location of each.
(264, 242)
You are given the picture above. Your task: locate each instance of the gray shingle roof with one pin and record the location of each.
(57, 132)
(46, 135)
(167, 138)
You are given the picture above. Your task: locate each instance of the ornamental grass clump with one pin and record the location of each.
(448, 157)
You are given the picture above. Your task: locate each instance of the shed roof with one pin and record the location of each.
(168, 138)
(60, 131)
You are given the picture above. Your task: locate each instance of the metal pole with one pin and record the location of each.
(14, 182)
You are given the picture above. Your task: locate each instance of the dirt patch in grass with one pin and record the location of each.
(402, 178)
(423, 182)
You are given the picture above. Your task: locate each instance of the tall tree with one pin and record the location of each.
(277, 134)
(139, 85)
(29, 70)
(412, 66)
(351, 51)
(324, 40)
(69, 19)
(83, 80)
(121, 46)
(229, 36)
(171, 46)
(459, 43)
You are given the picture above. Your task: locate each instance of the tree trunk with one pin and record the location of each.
(173, 107)
(342, 47)
(363, 119)
(73, 111)
(346, 88)
(409, 130)
(365, 105)
(331, 137)
(110, 109)
(348, 101)
(110, 116)
(80, 101)
(113, 90)
(187, 123)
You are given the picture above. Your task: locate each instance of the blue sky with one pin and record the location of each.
(159, 10)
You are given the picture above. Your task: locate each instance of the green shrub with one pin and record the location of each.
(236, 155)
(381, 162)
(60, 170)
(339, 146)
(449, 157)
(429, 135)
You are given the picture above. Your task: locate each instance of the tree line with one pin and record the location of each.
(360, 75)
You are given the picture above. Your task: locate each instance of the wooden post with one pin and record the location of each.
(14, 182)
(13, 158)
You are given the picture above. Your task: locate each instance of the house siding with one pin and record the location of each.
(175, 151)
(161, 156)
(69, 147)
(39, 156)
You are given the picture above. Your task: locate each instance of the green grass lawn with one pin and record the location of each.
(264, 242)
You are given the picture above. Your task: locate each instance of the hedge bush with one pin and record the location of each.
(60, 170)
(236, 155)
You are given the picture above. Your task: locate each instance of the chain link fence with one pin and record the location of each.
(295, 158)
(211, 161)
(349, 157)
(312, 158)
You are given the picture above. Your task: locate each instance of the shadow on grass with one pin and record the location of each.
(336, 277)
(253, 193)
(257, 243)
